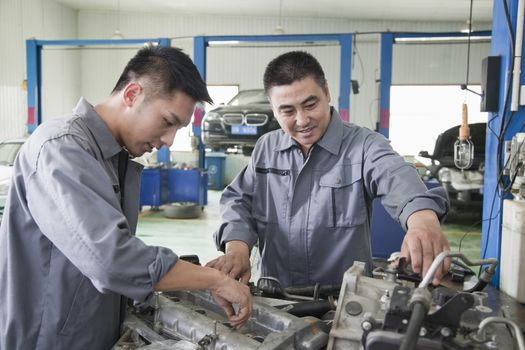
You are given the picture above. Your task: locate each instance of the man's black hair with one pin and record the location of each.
(165, 69)
(290, 67)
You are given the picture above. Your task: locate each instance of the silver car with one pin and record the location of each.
(8, 152)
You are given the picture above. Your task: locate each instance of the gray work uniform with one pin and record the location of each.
(311, 216)
(67, 248)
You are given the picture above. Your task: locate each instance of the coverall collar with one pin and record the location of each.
(331, 140)
(104, 138)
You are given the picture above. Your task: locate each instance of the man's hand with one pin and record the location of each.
(423, 242)
(225, 290)
(228, 292)
(235, 262)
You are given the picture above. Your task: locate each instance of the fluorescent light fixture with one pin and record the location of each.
(441, 39)
(224, 43)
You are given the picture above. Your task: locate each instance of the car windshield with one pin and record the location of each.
(8, 152)
(249, 97)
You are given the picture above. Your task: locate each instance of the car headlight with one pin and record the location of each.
(444, 175)
(212, 116)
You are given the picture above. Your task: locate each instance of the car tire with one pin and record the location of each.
(247, 151)
(182, 210)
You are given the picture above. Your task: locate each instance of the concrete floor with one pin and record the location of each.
(195, 236)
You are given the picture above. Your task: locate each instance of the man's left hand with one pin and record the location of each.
(423, 242)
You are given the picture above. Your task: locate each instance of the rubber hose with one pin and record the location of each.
(419, 312)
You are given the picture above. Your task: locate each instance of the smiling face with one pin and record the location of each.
(152, 122)
(302, 109)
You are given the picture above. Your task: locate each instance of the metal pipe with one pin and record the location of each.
(517, 57)
(447, 254)
(519, 336)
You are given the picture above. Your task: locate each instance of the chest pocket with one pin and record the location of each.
(342, 186)
(270, 201)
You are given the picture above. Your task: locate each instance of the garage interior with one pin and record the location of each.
(409, 70)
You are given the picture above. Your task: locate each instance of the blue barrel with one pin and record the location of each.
(154, 187)
(215, 164)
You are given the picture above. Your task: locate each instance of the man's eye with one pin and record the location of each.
(310, 106)
(167, 122)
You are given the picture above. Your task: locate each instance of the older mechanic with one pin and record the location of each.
(67, 247)
(306, 194)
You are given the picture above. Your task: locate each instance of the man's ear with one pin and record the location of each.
(131, 92)
(327, 91)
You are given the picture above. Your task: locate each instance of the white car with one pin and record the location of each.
(8, 152)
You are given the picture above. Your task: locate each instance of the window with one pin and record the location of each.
(219, 94)
(418, 114)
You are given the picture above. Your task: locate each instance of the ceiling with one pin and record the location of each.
(414, 10)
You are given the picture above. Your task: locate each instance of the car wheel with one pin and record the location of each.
(247, 151)
(183, 210)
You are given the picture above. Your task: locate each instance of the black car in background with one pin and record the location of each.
(239, 123)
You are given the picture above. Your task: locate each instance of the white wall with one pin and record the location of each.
(92, 73)
(41, 19)
(414, 64)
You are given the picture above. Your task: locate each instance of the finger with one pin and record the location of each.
(225, 267)
(218, 263)
(228, 309)
(404, 253)
(427, 254)
(415, 254)
(234, 272)
(241, 318)
(211, 263)
(245, 277)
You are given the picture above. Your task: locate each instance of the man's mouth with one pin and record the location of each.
(305, 130)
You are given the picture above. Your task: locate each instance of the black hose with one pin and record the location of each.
(308, 308)
(478, 287)
(419, 312)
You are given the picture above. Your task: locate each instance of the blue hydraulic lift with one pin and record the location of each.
(34, 68)
(34, 72)
(493, 197)
(201, 43)
(385, 68)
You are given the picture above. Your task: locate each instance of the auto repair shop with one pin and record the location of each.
(335, 174)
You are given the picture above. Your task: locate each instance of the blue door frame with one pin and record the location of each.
(34, 68)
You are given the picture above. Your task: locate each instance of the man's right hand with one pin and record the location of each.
(235, 262)
(228, 292)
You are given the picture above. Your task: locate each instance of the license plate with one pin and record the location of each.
(244, 130)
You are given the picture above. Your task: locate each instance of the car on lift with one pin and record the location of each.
(8, 151)
(239, 123)
(465, 188)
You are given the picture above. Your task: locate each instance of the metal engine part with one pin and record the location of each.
(192, 320)
(374, 314)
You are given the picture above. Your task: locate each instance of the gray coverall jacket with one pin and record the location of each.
(67, 248)
(311, 216)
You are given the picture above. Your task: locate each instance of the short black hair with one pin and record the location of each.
(166, 70)
(290, 67)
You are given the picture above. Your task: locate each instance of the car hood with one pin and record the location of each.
(252, 108)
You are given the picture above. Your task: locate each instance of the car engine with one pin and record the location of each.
(394, 309)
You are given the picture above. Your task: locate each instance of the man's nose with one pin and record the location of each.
(301, 118)
(168, 137)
